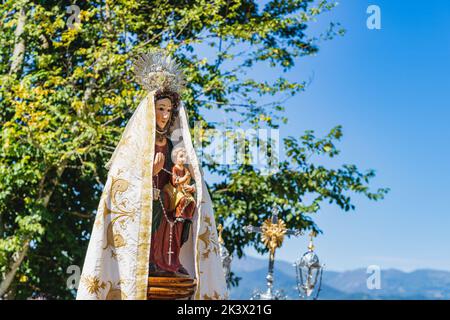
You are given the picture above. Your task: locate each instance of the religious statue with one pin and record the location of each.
(174, 212)
(155, 215)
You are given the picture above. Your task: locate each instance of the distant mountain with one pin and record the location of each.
(350, 285)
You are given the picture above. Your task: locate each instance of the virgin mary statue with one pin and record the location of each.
(147, 222)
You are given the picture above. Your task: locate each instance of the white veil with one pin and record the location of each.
(116, 263)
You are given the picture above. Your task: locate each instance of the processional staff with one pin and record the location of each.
(273, 231)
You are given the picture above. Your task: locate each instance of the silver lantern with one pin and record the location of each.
(309, 272)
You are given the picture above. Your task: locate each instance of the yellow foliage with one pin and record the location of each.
(40, 91)
(77, 105)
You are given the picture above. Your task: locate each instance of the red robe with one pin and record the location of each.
(160, 239)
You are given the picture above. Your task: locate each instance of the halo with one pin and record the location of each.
(157, 70)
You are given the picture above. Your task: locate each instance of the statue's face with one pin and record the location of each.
(163, 112)
(181, 157)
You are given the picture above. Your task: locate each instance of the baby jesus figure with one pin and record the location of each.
(181, 177)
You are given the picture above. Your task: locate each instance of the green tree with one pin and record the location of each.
(67, 91)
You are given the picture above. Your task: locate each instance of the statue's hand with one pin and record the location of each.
(188, 188)
(159, 163)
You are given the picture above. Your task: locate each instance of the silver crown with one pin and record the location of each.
(156, 70)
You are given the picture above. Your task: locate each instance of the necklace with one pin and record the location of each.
(160, 138)
(171, 224)
(161, 134)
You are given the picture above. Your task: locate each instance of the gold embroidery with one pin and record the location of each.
(144, 239)
(215, 296)
(106, 210)
(205, 237)
(209, 239)
(119, 186)
(113, 238)
(101, 210)
(115, 293)
(98, 222)
(93, 285)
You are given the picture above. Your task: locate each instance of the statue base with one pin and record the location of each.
(170, 288)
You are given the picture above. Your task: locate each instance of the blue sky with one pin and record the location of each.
(390, 91)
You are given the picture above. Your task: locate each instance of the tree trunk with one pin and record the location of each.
(17, 260)
(19, 43)
(18, 257)
(16, 64)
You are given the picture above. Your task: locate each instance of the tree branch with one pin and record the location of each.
(19, 46)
